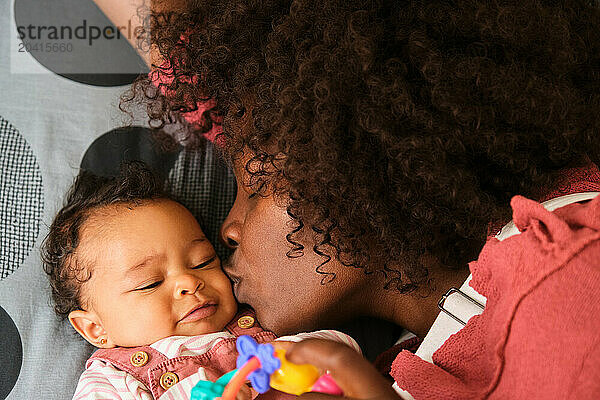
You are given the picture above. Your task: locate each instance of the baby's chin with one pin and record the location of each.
(154, 339)
(214, 324)
(201, 329)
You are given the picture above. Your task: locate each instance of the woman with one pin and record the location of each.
(377, 146)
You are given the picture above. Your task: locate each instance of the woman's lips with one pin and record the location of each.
(200, 313)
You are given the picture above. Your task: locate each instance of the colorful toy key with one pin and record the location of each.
(265, 367)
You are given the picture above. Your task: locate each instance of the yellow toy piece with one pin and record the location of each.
(291, 378)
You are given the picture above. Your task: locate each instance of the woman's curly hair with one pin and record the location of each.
(67, 272)
(396, 128)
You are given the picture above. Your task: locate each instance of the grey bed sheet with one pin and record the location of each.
(49, 126)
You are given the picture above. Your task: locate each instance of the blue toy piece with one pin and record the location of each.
(248, 348)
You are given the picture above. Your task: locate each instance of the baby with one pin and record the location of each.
(137, 278)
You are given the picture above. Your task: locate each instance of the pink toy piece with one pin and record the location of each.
(326, 384)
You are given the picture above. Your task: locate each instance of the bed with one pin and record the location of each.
(51, 124)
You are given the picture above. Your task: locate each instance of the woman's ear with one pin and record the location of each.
(88, 325)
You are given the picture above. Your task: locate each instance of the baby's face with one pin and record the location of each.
(154, 274)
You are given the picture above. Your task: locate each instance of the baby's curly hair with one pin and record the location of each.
(67, 273)
(396, 128)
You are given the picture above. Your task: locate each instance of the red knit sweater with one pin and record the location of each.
(539, 335)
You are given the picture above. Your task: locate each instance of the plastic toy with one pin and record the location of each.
(266, 368)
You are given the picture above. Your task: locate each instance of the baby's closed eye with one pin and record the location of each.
(206, 263)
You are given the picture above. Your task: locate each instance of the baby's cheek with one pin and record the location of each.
(223, 287)
(222, 284)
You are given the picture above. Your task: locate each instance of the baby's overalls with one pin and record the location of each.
(159, 373)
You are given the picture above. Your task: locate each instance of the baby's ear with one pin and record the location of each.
(88, 325)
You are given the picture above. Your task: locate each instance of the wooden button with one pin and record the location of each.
(245, 322)
(168, 379)
(139, 358)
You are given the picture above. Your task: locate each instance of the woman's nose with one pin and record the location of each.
(187, 284)
(231, 230)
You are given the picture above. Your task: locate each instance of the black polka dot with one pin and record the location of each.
(11, 353)
(74, 39)
(105, 154)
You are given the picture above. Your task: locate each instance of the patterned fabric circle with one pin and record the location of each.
(203, 182)
(21, 199)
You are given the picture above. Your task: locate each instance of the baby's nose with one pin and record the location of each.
(188, 284)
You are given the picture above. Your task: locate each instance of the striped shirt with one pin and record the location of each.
(102, 380)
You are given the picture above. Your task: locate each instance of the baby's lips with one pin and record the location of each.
(198, 308)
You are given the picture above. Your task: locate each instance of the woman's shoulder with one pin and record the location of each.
(539, 325)
(537, 244)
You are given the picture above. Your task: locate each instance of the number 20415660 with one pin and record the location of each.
(45, 47)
